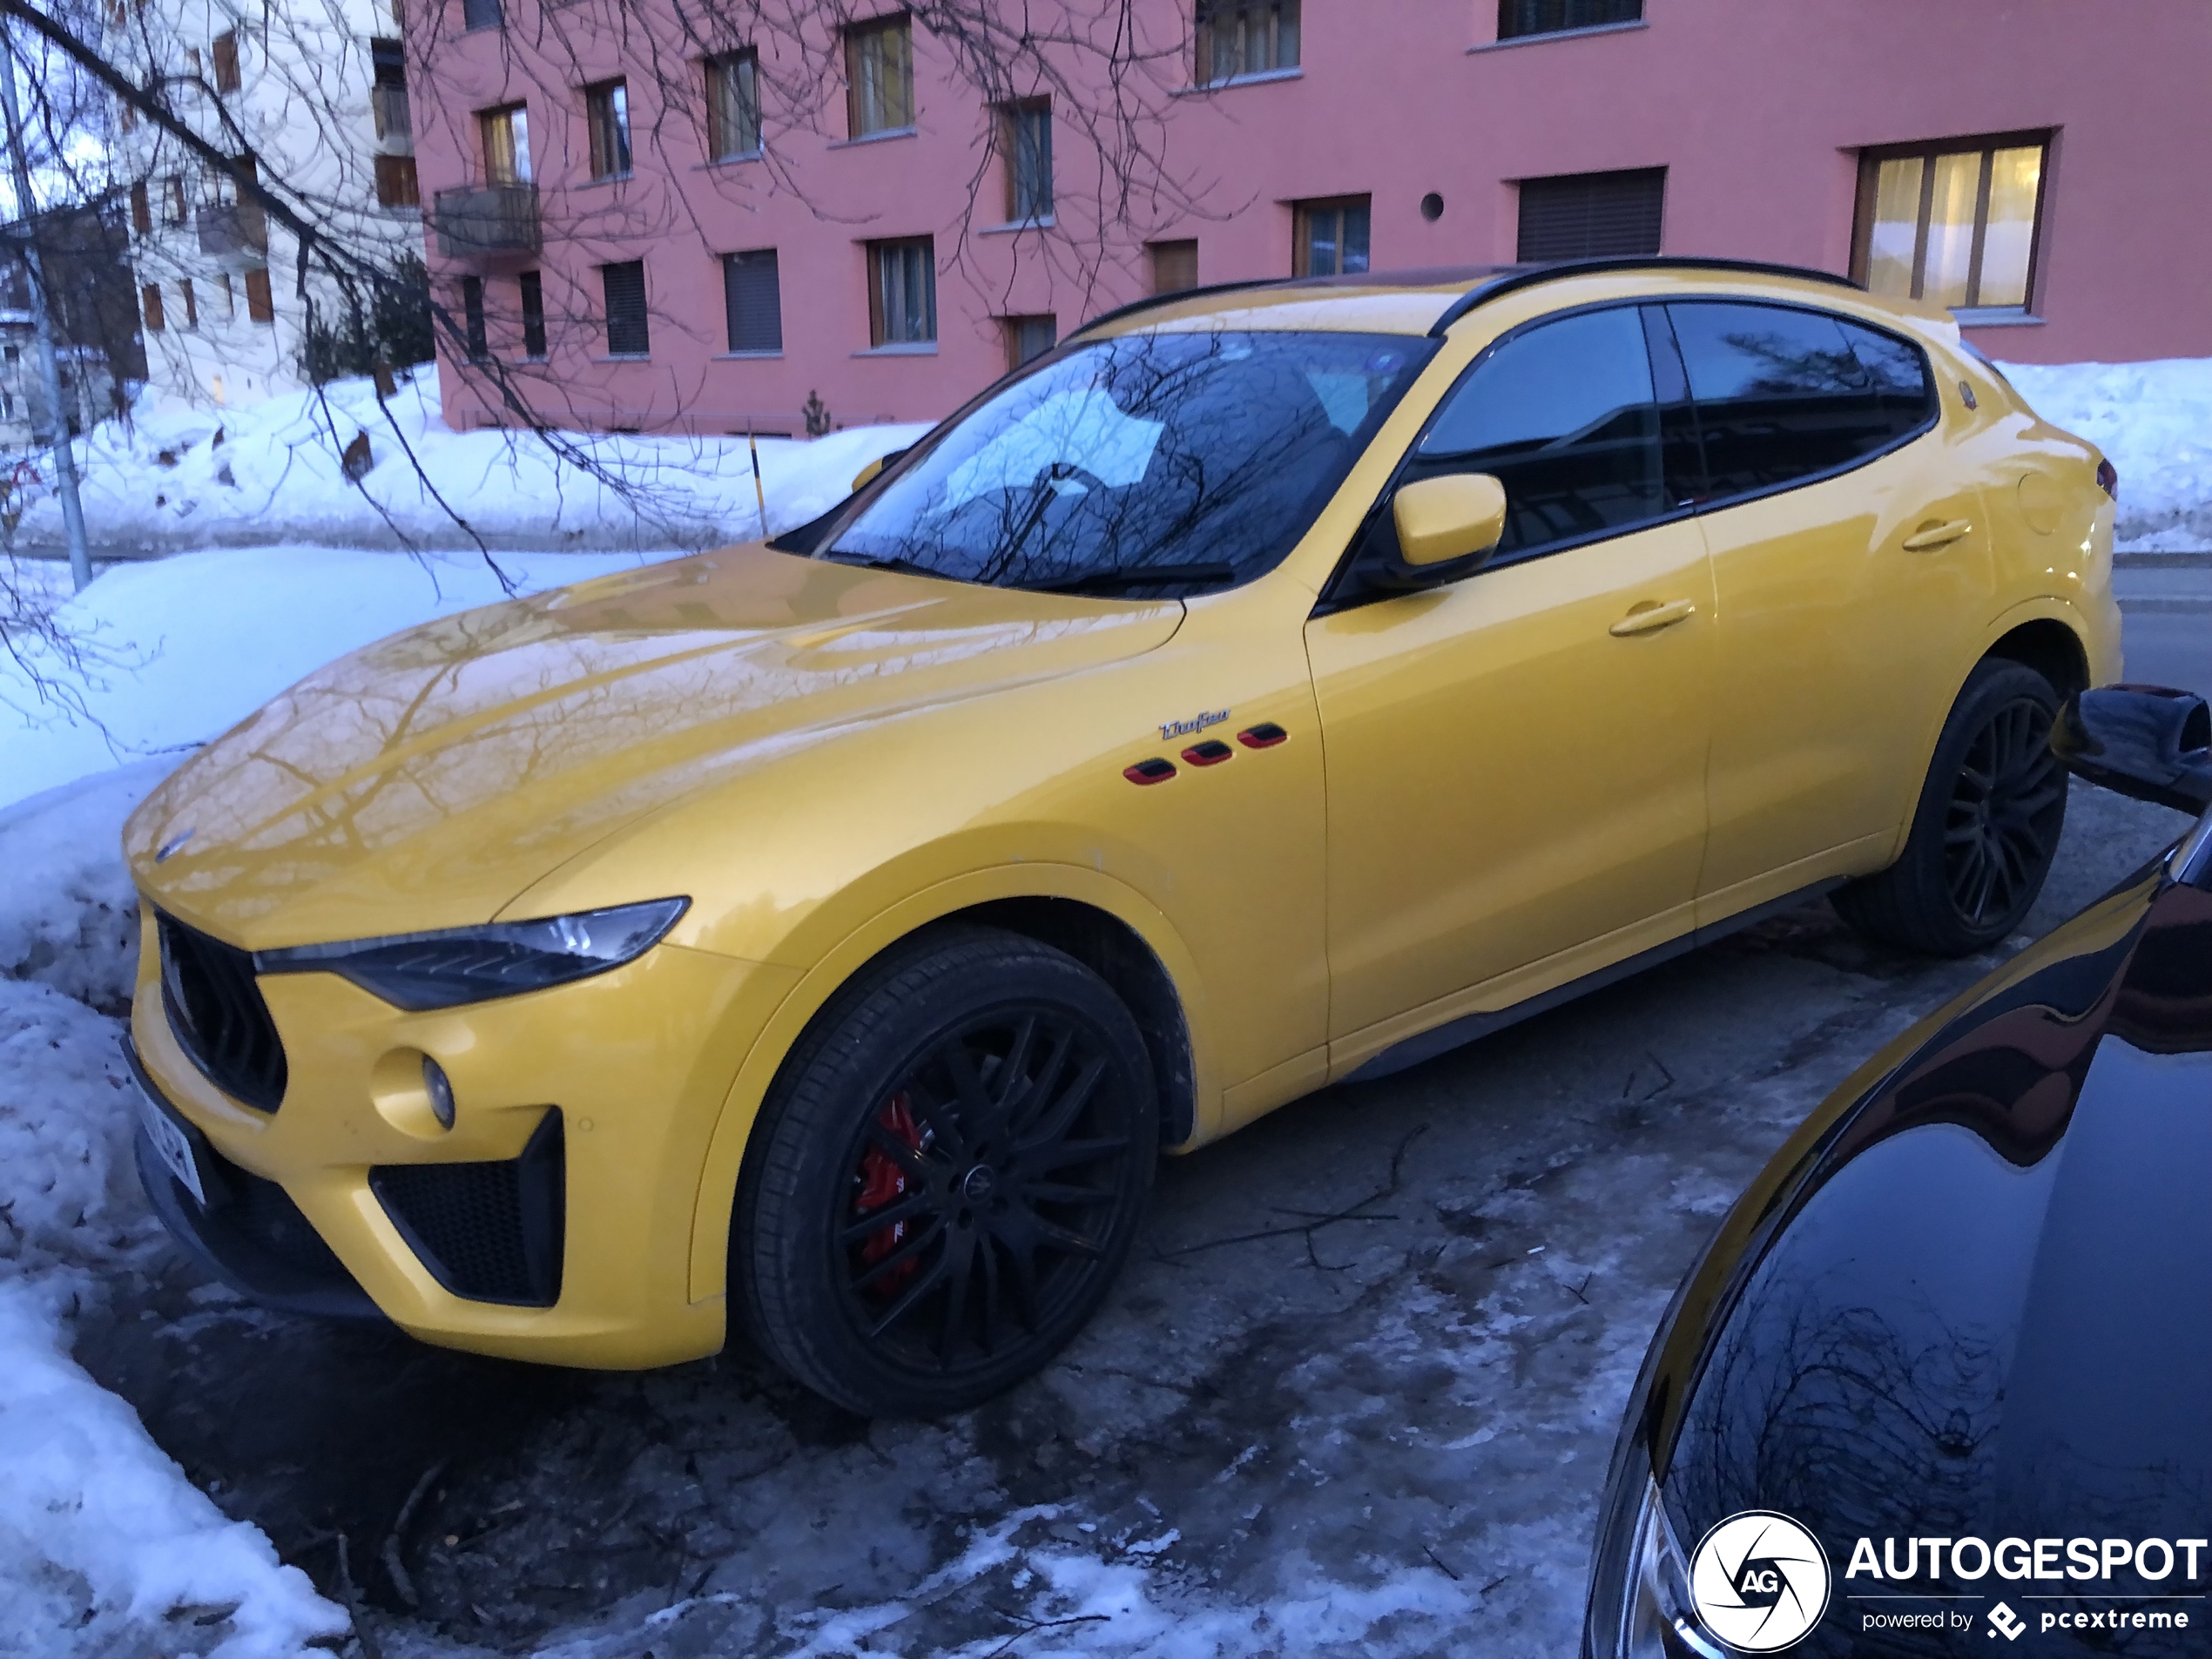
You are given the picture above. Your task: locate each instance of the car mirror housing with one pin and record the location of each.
(2147, 741)
(1447, 528)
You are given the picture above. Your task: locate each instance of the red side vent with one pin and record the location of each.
(2109, 479)
(1211, 752)
(1155, 771)
(1265, 735)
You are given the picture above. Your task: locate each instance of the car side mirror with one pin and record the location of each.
(866, 476)
(1447, 528)
(2147, 741)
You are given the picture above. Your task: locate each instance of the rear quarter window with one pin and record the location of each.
(1784, 394)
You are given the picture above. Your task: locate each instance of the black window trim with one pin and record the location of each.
(1343, 591)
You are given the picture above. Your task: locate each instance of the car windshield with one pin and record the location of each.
(1146, 464)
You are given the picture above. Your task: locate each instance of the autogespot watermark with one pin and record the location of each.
(2165, 1578)
(1761, 1581)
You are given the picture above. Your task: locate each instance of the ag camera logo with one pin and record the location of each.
(1759, 1581)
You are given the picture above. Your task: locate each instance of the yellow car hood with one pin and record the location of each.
(428, 779)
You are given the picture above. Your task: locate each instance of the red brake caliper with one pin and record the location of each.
(883, 1183)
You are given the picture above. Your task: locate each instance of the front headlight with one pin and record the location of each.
(1651, 1615)
(457, 965)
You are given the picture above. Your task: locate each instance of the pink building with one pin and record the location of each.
(639, 223)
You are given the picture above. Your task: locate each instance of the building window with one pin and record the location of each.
(1331, 237)
(141, 210)
(533, 287)
(481, 14)
(624, 285)
(150, 302)
(230, 296)
(506, 134)
(388, 94)
(473, 328)
(902, 292)
(752, 296)
(172, 200)
(606, 115)
(1028, 338)
(192, 305)
(395, 182)
(1953, 223)
(732, 106)
(1236, 38)
(260, 305)
(126, 115)
(1175, 266)
(1592, 215)
(1025, 133)
(225, 55)
(1518, 19)
(878, 78)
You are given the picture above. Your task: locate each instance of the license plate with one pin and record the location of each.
(175, 1150)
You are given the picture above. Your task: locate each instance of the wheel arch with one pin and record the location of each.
(1108, 926)
(2050, 647)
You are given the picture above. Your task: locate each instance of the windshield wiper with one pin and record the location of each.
(905, 567)
(1137, 576)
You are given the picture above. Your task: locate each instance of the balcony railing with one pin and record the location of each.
(482, 220)
(233, 233)
(394, 121)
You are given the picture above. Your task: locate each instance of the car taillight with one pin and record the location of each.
(2109, 479)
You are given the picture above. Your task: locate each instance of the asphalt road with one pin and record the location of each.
(2166, 602)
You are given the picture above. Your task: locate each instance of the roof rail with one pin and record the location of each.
(1152, 301)
(1528, 276)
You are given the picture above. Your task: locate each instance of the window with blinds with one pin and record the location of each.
(260, 304)
(150, 302)
(1175, 265)
(1592, 215)
(1028, 338)
(1330, 236)
(902, 292)
(396, 183)
(732, 106)
(533, 296)
(879, 76)
(606, 119)
(1236, 38)
(624, 287)
(224, 51)
(1517, 19)
(141, 209)
(1955, 223)
(752, 296)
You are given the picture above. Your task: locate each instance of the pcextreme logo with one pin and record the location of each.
(1759, 1581)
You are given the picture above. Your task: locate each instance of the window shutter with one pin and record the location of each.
(1592, 215)
(625, 287)
(260, 305)
(141, 210)
(151, 297)
(226, 62)
(752, 291)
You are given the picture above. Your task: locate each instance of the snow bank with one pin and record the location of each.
(180, 476)
(179, 649)
(104, 1546)
(2153, 420)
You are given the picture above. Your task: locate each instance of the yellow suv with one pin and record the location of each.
(1269, 686)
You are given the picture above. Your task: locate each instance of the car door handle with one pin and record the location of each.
(1649, 619)
(1938, 535)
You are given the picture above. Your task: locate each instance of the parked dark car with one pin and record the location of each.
(1959, 1330)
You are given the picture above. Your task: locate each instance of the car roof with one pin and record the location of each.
(1431, 301)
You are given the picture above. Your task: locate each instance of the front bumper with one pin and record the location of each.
(634, 1067)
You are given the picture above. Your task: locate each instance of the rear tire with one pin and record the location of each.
(1985, 829)
(946, 1175)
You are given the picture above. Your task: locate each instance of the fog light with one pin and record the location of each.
(441, 1091)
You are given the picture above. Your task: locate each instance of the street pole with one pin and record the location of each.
(80, 561)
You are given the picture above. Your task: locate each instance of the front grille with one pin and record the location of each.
(215, 1008)
(490, 1231)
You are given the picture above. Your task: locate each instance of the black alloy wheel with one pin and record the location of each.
(947, 1177)
(1986, 826)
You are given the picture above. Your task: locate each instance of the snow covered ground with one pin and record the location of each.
(182, 476)
(2153, 421)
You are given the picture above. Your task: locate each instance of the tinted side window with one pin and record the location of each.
(1563, 415)
(1900, 371)
(1780, 395)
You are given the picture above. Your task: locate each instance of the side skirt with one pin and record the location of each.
(1469, 1026)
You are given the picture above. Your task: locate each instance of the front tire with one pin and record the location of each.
(946, 1175)
(1986, 826)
